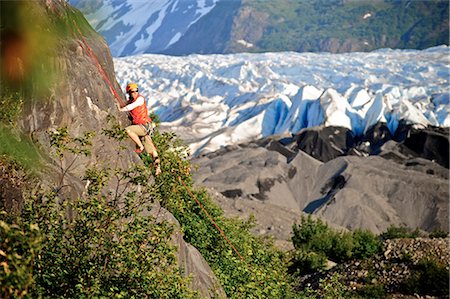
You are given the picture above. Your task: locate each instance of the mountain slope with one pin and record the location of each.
(233, 26)
(347, 26)
(210, 34)
(133, 27)
(396, 187)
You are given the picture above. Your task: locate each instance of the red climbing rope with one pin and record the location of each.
(88, 50)
(215, 224)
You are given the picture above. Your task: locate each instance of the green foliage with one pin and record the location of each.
(308, 25)
(62, 142)
(315, 242)
(65, 145)
(366, 244)
(115, 132)
(11, 105)
(428, 278)
(329, 288)
(438, 233)
(97, 178)
(102, 244)
(19, 249)
(14, 144)
(308, 229)
(343, 247)
(155, 118)
(261, 273)
(104, 250)
(105, 243)
(304, 262)
(396, 232)
(19, 148)
(375, 291)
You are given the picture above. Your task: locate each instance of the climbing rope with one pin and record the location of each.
(88, 50)
(215, 224)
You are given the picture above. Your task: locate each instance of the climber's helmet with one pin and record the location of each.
(131, 87)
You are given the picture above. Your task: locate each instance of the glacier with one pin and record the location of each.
(212, 101)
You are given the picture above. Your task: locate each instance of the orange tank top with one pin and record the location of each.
(140, 113)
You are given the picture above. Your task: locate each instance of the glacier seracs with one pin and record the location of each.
(217, 100)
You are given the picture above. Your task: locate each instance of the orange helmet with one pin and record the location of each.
(131, 86)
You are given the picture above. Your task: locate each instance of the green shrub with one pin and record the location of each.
(329, 288)
(438, 233)
(366, 244)
(104, 251)
(303, 263)
(306, 230)
(343, 246)
(376, 291)
(428, 278)
(313, 236)
(322, 242)
(19, 249)
(395, 232)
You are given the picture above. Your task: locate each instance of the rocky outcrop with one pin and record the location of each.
(429, 143)
(327, 143)
(248, 29)
(190, 259)
(82, 100)
(210, 34)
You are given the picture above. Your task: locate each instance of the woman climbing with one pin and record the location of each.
(141, 124)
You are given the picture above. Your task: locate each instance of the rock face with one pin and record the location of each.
(397, 187)
(327, 143)
(431, 144)
(81, 100)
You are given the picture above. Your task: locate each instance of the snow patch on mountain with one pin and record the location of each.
(129, 26)
(217, 100)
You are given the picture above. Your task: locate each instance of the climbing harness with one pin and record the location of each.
(148, 128)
